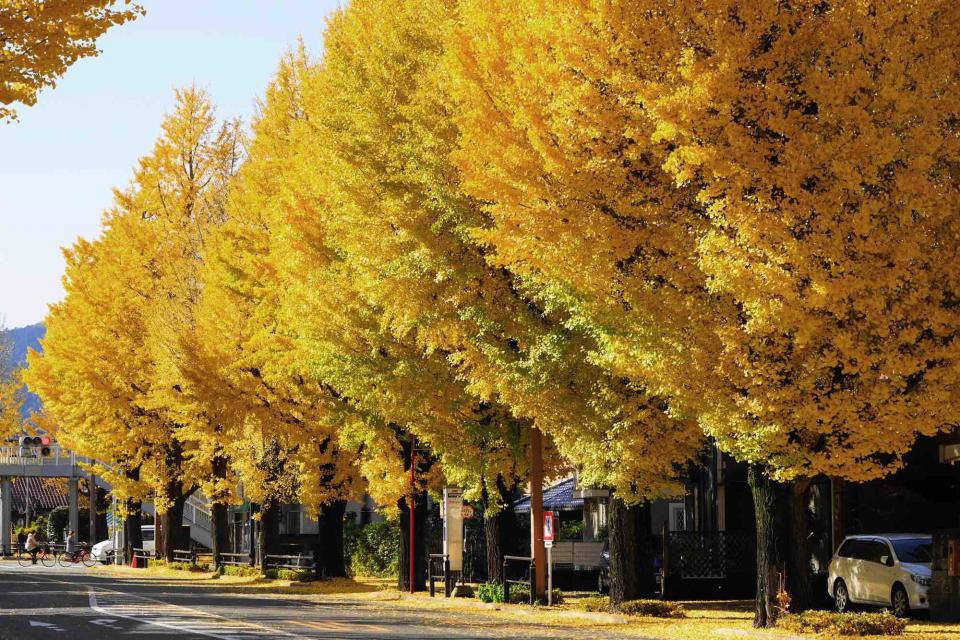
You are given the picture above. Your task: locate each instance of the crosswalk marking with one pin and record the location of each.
(183, 619)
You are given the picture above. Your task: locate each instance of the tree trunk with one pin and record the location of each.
(132, 531)
(419, 543)
(768, 566)
(631, 553)
(329, 556)
(798, 577)
(175, 535)
(269, 532)
(492, 536)
(218, 512)
(101, 524)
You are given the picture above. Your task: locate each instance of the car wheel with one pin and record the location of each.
(841, 597)
(900, 602)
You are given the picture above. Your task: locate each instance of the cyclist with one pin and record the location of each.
(72, 549)
(32, 547)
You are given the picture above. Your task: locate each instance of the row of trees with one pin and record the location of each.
(626, 226)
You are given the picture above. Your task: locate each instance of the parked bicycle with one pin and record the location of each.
(45, 556)
(80, 556)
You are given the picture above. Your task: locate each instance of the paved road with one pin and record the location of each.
(75, 604)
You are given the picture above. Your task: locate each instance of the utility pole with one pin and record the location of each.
(413, 497)
(537, 550)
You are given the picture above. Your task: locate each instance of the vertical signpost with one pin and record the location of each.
(548, 531)
(453, 527)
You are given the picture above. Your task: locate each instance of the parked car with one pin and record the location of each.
(886, 570)
(103, 550)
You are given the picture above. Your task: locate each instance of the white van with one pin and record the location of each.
(103, 550)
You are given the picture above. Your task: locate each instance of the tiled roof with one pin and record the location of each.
(43, 495)
(558, 497)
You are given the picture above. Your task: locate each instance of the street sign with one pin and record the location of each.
(454, 511)
(548, 521)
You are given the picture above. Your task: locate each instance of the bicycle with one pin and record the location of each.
(81, 555)
(44, 557)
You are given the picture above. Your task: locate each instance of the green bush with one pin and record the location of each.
(652, 609)
(373, 549)
(844, 624)
(490, 592)
(521, 595)
(571, 530)
(58, 520)
(240, 570)
(293, 575)
(596, 604)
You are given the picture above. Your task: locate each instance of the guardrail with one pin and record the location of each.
(185, 555)
(299, 561)
(141, 555)
(236, 559)
(443, 560)
(29, 456)
(528, 581)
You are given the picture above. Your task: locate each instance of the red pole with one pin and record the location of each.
(412, 498)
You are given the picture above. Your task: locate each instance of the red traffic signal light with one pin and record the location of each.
(45, 440)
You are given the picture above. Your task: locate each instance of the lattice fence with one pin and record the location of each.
(718, 554)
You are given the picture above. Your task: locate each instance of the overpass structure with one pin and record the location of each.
(17, 461)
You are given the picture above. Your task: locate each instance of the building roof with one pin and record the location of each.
(558, 497)
(43, 495)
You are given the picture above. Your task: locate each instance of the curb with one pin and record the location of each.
(519, 610)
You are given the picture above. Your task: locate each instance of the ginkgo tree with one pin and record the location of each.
(748, 207)
(39, 40)
(375, 137)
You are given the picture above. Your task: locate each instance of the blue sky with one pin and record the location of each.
(59, 162)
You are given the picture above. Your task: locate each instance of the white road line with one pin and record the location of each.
(178, 618)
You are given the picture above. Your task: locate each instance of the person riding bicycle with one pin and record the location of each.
(72, 548)
(32, 547)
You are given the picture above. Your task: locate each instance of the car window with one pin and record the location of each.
(914, 550)
(874, 550)
(848, 549)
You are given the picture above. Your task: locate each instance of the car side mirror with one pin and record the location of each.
(886, 560)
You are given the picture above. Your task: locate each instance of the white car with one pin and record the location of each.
(103, 550)
(887, 570)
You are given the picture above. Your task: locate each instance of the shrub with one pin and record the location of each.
(293, 575)
(490, 592)
(571, 530)
(652, 609)
(521, 595)
(373, 549)
(844, 624)
(595, 604)
(240, 570)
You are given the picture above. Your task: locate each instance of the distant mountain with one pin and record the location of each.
(25, 338)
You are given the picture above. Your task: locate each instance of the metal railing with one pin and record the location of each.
(299, 561)
(185, 555)
(236, 559)
(141, 558)
(527, 581)
(31, 456)
(444, 561)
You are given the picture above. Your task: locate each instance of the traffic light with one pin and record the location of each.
(41, 443)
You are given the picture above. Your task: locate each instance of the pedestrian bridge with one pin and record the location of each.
(28, 462)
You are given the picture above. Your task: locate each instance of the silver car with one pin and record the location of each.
(886, 570)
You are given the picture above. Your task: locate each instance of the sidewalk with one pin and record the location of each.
(706, 620)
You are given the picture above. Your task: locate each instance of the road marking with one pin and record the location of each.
(106, 622)
(333, 625)
(142, 609)
(46, 625)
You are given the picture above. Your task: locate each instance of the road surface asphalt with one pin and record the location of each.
(77, 604)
